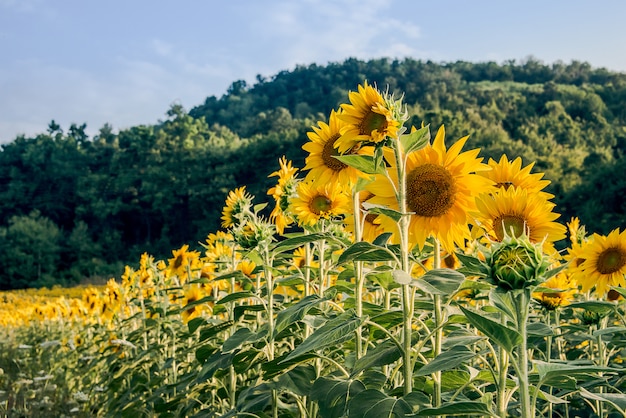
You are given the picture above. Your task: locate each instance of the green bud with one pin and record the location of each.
(516, 263)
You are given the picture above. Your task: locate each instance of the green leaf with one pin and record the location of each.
(503, 301)
(364, 163)
(298, 241)
(608, 331)
(556, 374)
(234, 296)
(194, 324)
(332, 395)
(597, 306)
(539, 329)
(447, 360)
(443, 281)
(382, 354)
(372, 403)
(415, 140)
(365, 251)
(255, 399)
(617, 400)
(472, 266)
(279, 365)
(298, 380)
(240, 336)
(212, 331)
(504, 336)
(295, 312)
(401, 277)
(457, 409)
(379, 210)
(333, 332)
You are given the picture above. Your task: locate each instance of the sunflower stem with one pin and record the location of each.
(358, 273)
(522, 302)
(438, 317)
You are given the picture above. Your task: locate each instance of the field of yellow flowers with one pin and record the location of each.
(397, 275)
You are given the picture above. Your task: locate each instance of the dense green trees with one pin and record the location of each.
(99, 202)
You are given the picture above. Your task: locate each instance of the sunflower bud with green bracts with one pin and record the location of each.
(516, 263)
(253, 232)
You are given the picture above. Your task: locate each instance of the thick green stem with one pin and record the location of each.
(522, 301)
(358, 274)
(438, 318)
(503, 368)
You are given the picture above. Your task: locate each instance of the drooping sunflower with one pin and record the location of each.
(441, 186)
(238, 203)
(323, 167)
(515, 211)
(505, 174)
(369, 117)
(602, 262)
(315, 202)
(284, 189)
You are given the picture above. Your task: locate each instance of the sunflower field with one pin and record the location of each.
(396, 274)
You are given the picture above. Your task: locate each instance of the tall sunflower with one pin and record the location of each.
(315, 202)
(238, 203)
(281, 192)
(507, 174)
(602, 262)
(515, 211)
(369, 117)
(323, 167)
(441, 186)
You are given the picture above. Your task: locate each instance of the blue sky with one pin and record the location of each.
(126, 61)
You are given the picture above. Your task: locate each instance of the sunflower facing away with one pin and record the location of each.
(505, 174)
(315, 202)
(368, 118)
(516, 212)
(603, 262)
(441, 190)
(238, 203)
(323, 167)
(284, 189)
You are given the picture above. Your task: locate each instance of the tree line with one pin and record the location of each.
(74, 206)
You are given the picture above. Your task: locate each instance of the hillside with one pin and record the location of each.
(73, 206)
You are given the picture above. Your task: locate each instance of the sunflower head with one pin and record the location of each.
(506, 174)
(558, 290)
(516, 263)
(253, 232)
(600, 262)
(370, 117)
(316, 202)
(238, 206)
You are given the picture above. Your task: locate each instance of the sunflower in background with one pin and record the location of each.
(238, 204)
(323, 167)
(315, 202)
(601, 262)
(371, 228)
(369, 117)
(560, 291)
(506, 174)
(515, 211)
(285, 188)
(441, 187)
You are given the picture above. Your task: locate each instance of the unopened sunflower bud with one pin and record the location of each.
(516, 263)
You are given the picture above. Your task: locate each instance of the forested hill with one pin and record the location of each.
(73, 206)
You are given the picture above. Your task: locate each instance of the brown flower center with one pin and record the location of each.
(504, 185)
(514, 225)
(611, 260)
(329, 152)
(430, 190)
(372, 121)
(320, 204)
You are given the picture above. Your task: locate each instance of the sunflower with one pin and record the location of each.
(284, 189)
(183, 259)
(562, 291)
(315, 202)
(238, 203)
(192, 294)
(323, 167)
(603, 262)
(368, 117)
(507, 174)
(514, 211)
(441, 186)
